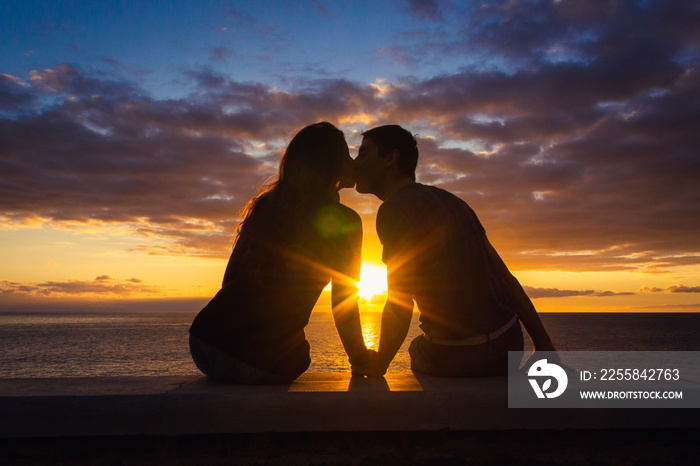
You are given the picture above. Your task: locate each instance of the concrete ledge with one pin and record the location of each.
(316, 402)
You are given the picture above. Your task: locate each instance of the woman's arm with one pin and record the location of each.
(346, 314)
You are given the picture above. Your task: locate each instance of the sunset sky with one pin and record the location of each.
(132, 133)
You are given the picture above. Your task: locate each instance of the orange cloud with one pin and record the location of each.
(671, 289)
(102, 285)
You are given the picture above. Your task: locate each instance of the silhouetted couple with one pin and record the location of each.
(295, 237)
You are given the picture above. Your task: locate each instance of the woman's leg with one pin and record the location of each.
(219, 365)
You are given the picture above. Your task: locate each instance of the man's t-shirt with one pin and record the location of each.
(434, 248)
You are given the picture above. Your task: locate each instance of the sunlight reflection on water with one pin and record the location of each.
(370, 333)
(327, 352)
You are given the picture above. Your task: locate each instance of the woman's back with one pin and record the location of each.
(295, 237)
(273, 281)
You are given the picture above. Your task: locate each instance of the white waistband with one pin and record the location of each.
(476, 339)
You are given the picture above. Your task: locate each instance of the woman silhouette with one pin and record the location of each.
(295, 237)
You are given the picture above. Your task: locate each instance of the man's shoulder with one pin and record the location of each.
(404, 204)
(419, 194)
(421, 204)
(406, 193)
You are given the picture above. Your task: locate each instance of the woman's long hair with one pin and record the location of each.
(308, 175)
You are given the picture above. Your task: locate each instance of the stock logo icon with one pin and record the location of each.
(547, 371)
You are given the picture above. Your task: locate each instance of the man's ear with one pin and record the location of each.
(392, 157)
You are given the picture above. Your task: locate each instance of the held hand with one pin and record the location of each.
(373, 368)
(377, 366)
(364, 368)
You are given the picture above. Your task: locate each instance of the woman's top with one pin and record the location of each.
(270, 288)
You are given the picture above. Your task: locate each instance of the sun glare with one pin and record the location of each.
(372, 281)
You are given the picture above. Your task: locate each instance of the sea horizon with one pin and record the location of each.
(195, 304)
(107, 343)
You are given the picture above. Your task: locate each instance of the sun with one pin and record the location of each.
(372, 281)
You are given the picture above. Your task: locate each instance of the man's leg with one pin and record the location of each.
(485, 360)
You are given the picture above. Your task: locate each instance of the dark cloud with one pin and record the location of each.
(528, 33)
(14, 94)
(222, 54)
(425, 9)
(320, 9)
(238, 21)
(69, 80)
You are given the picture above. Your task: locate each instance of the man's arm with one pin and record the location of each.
(526, 311)
(398, 255)
(396, 316)
(396, 320)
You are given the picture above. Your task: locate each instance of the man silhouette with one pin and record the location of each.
(437, 254)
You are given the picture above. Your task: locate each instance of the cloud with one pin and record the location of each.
(102, 152)
(535, 293)
(14, 94)
(68, 79)
(671, 289)
(101, 286)
(320, 9)
(683, 289)
(570, 128)
(425, 9)
(528, 33)
(592, 151)
(222, 54)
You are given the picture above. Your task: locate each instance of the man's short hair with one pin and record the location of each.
(390, 137)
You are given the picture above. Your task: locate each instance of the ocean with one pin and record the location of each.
(96, 344)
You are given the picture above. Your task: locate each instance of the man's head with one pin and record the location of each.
(386, 152)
